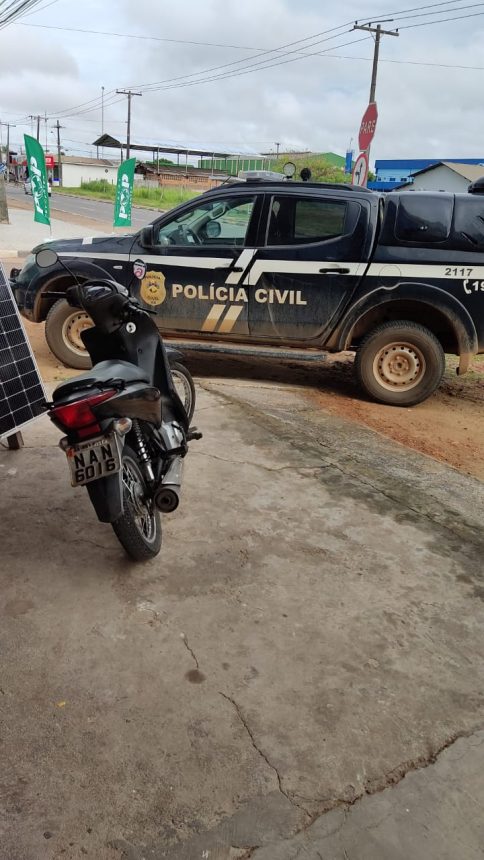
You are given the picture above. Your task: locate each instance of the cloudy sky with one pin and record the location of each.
(428, 104)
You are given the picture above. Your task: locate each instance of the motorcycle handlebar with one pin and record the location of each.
(132, 305)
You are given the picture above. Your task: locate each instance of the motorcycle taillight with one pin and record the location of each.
(78, 414)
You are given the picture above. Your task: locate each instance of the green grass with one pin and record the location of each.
(153, 198)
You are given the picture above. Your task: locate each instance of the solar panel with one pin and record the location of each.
(22, 395)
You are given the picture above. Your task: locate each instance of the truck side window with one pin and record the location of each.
(215, 222)
(468, 229)
(297, 221)
(423, 219)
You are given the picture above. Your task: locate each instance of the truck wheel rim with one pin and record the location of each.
(71, 331)
(399, 366)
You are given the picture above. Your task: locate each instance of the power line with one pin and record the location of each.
(94, 104)
(262, 63)
(442, 12)
(36, 11)
(250, 69)
(441, 21)
(238, 62)
(380, 15)
(14, 10)
(144, 38)
(139, 36)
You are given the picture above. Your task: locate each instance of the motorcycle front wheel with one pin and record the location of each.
(139, 528)
(185, 387)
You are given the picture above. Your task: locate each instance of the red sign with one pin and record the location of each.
(49, 162)
(368, 126)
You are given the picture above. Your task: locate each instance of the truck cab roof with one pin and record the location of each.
(287, 186)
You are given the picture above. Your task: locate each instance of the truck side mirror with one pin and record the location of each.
(147, 236)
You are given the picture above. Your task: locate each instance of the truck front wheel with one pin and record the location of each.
(63, 328)
(400, 363)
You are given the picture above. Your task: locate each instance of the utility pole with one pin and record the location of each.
(378, 32)
(130, 94)
(38, 126)
(102, 124)
(58, 126)
(3, 188)
(8, 126)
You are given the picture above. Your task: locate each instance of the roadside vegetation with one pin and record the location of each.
(153, 198)
(321, 169)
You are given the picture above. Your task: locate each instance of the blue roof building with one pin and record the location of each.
(391, 173)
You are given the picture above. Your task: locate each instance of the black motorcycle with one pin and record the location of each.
(127, 430)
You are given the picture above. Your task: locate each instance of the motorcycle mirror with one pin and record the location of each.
(46, 258)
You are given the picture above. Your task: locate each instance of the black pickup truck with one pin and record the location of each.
(294, 268)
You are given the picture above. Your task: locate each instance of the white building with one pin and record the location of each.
(76, 170)
(445, 176)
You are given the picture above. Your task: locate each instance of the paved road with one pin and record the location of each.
(96, 210)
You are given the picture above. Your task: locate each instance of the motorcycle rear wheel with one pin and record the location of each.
(139, 528)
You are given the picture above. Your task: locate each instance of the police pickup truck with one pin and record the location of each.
(294, 268)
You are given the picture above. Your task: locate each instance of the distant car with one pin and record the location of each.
(28, 187)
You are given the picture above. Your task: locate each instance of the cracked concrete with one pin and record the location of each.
(432, 814)
(335, 596)
(263, 754)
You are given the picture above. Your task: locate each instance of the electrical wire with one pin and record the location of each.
(263, 63)
(230, 70)
(15, 9)
(441, 21)
(442, 12)
(143, 38)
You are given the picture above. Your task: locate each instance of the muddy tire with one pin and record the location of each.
(62, 333)
(139, 528)
(400, 363)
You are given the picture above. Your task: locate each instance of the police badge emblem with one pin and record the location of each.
(153, 290)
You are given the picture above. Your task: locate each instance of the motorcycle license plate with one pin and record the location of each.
(97, 458)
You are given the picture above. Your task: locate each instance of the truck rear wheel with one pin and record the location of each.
(63, 328)
(400, 363)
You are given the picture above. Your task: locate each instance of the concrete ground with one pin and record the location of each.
(299, 674)
(22, 233)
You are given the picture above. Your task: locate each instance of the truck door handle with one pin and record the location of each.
(334, 271)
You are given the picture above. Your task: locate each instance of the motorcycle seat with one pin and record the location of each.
(103, 372)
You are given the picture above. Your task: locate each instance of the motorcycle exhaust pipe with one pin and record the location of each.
(167, 495)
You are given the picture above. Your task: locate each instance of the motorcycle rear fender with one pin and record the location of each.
(173, 354)
(106, 497)
(138, 401)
